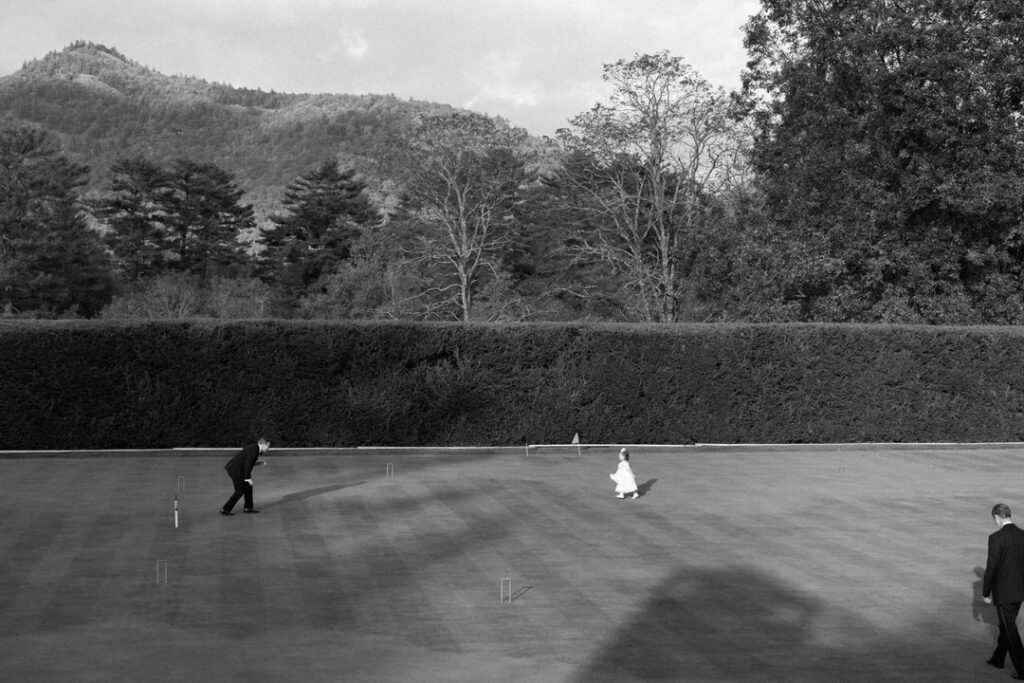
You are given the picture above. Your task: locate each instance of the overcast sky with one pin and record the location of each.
(534, 62)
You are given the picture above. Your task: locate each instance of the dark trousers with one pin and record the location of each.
(1009, 637)
(242, 488)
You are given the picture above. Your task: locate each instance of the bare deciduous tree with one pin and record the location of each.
(464, 174)
(641, 169)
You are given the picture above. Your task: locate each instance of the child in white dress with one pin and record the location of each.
(623, 477)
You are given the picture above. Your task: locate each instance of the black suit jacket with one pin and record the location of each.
(1004, 572)
(241, 464)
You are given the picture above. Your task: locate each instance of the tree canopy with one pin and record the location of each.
(870, 169)
(889, 152)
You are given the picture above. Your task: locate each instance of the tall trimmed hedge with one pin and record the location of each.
(166, 384)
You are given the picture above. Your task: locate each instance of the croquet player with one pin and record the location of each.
(1003, 585)
(239, 468)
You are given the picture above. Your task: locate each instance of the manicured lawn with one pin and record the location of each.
(810, 564)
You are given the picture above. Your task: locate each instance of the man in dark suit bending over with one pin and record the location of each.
(1004, 585)
(239, 468)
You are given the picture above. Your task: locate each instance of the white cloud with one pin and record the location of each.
(273, 10)
(501, 81)
(350, 42)
(708, 37)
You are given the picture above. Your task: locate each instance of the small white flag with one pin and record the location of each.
(576, 438)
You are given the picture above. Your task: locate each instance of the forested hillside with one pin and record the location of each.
(102, 106)
(128, 137)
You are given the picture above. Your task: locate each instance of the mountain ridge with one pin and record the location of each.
(84, 60)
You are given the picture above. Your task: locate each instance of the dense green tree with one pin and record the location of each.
(641, 170)
(326, 211)
(383, 279)
(133, 210)
(51, 261)
(204, 220)
(889, 150)
(188, 218)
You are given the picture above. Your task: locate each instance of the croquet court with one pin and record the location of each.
(799, 564)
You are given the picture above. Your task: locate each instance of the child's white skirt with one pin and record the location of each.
(624, 480)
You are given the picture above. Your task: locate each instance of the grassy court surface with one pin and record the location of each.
(810, 564)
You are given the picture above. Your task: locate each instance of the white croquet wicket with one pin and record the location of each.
(178, 493)
(389, 471)
(506, 592)
(161, 571)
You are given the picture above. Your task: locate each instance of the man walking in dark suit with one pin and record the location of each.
(1004, 585)
(239, 468)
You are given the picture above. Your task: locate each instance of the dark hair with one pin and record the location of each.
(1001, 510)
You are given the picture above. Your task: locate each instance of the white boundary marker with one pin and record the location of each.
(336, 451)
(161, 570)
(507, 581)
(841, 446)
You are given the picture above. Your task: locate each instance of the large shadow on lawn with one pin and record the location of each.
(309, 493)
(732, 624)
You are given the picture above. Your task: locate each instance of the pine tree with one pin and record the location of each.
(51, 261)
(134, 213)
(327, 210)
(203, 219)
